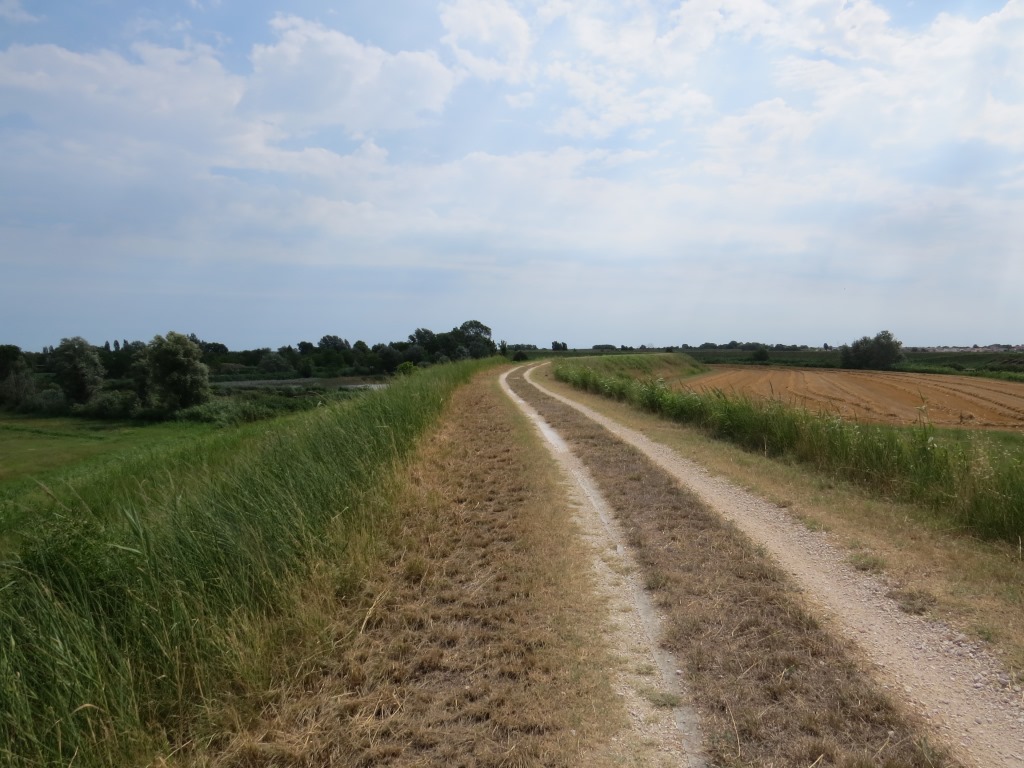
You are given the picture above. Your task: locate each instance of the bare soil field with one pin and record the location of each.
(889, 398)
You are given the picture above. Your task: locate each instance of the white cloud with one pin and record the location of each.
(12, 11)
(489, 38)
(520, 100)
(315, 77)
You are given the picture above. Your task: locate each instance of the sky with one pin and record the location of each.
(629, 172)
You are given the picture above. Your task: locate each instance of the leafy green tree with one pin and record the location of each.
(18, 386)
(474, 329)
(878, 354)
(425, 338)
(176, 375)
(275, 362)
(336, 343)
(390, 358)
(9, 355)
(77, 369)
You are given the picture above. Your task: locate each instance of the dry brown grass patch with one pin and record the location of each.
(772, 686)
(470, 643)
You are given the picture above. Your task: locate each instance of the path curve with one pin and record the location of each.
(960, 690)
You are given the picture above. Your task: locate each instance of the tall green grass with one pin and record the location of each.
(972, 484)
(127, 605)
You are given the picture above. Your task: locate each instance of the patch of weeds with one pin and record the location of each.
(655, 581)
(865, 561)
(988, 634)
(415, 569)
(913, 601)
(813, 524)
(645, 669)
(661, 699)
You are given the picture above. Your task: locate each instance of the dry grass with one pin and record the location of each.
(470, 645)
(772, 686)
(974, 585)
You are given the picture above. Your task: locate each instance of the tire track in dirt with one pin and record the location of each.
(955, 686)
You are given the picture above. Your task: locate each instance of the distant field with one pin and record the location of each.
(888, 398)
(31, 447)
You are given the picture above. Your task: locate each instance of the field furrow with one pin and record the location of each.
(891, 398)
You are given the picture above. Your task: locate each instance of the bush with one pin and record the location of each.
(116, 404)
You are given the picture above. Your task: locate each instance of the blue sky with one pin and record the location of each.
(634, 172)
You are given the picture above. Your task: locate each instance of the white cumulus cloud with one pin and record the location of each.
(314, 77)
(489, 38)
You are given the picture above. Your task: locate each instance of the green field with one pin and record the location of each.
(33, 447)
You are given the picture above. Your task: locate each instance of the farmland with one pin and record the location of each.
(888, 398)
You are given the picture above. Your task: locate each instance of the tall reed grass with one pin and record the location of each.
(971, 484)
(128, 602)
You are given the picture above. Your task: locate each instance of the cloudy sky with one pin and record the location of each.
(594, 171)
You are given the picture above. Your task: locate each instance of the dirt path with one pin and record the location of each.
(660, 736)
(961, 692)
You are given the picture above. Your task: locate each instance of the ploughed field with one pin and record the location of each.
(890, 398)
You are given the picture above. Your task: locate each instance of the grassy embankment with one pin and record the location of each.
(970, 483)
(145, 589)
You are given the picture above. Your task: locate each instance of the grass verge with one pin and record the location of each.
(772, 686)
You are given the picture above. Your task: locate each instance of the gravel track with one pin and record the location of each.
(961, 691)
(660, 736)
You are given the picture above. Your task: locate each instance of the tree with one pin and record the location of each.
(9, 355)
(879, 353)
(17, 384)
(78, 369)
(476, 338)
(336, 343)
(274, 362)
(475, 329)
(176, 376)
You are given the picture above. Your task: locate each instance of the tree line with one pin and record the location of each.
(170, 373)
